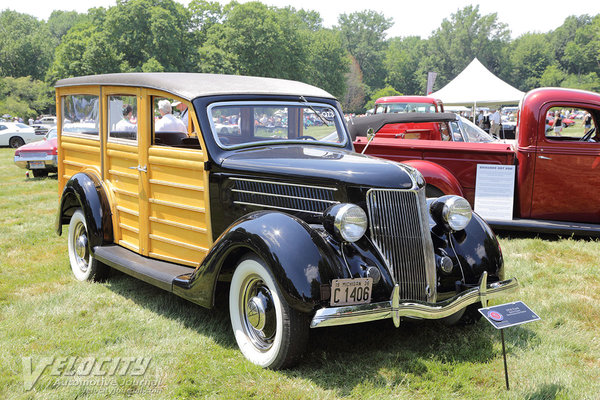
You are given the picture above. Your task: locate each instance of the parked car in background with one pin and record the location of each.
(410, 105)
(39, 157)
(40, 129)
(557, 183)
(449, 127)
(16, 134)
(299, 230)
(48, 120)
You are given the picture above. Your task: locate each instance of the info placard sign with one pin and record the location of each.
(495, 191)
(509, 314)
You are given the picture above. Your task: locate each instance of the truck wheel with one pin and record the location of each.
(39, 173)
(83, 265)
(268, 332)
(432, 191)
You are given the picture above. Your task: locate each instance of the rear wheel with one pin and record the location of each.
(269, 332)
(83, 265)
(16, 141)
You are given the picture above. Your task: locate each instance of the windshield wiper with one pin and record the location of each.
(313, 110)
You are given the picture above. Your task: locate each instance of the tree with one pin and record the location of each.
(463, 37)
(25, 97)
(402, 62)
(24, 46)
(363, 35)
(356, 91)
(60, 22)
(385, 92)
(327, 62)
(531, 55)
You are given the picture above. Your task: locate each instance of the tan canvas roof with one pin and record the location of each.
(191, 85)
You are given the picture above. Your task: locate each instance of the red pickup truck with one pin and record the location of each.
(557, 182)
(410, 105)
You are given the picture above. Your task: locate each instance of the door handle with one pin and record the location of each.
(545, 158)
(140, 168)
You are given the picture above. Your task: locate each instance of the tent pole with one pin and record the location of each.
(474, 112)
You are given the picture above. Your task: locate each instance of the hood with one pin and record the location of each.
(320, 163)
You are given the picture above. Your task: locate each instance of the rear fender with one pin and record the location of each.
(85, 191)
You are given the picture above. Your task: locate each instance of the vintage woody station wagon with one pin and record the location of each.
(186, 180)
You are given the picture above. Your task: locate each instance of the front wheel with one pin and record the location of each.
(268, 332)
(83, 265)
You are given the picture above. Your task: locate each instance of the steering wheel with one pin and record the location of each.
(588, 135)
(306, 137)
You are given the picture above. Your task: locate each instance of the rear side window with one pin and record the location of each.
(80, 115)
(122, 118)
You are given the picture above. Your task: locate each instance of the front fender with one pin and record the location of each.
(473, 251)
(437, 176)
(298, 256)
(85, 191)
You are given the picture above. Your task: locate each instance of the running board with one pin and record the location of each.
(544, 226)
(157, 273)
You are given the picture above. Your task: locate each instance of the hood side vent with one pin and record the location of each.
(283, 196)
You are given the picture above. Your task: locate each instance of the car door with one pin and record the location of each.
(174, 184)
(566, 183)
(123, 144)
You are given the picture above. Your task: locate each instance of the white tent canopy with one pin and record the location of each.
(476, 85)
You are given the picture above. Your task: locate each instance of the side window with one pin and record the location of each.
(122, 118)
(572, 124)
(3, 127)
(80, 115)
(170, 124)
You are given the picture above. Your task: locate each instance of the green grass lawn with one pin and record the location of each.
(44, 312)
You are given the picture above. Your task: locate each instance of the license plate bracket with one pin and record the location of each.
(351, 291)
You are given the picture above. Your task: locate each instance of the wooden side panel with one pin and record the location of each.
(121, 163)
(178, 228)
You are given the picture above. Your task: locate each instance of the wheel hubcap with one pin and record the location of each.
(259, 317)
(81, 247)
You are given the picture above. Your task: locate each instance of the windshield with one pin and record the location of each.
(243, 124)
(475, 133)
(404, 108)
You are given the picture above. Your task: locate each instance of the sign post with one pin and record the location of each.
(505, 316)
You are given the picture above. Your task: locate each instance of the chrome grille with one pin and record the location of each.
(399, 227)
(283, 196)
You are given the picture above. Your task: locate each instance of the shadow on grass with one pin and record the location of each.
(344, 357)
(548, 391)
(213, 323)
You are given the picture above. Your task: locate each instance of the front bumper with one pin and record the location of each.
(50, 161)
(332, 316)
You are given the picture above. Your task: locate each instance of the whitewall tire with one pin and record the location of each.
(83, 265)
(268, 332)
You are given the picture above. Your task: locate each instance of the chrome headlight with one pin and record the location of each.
(454, 212)
(348, 222)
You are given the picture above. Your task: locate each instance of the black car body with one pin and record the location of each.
(306, 231)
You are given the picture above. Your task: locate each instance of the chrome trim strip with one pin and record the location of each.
(283, 195)
(396, 309)
(276, 207)
(284, 183)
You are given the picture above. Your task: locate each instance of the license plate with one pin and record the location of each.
(37, 164)
(351, 291)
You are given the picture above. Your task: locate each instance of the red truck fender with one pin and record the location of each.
(437, 176)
